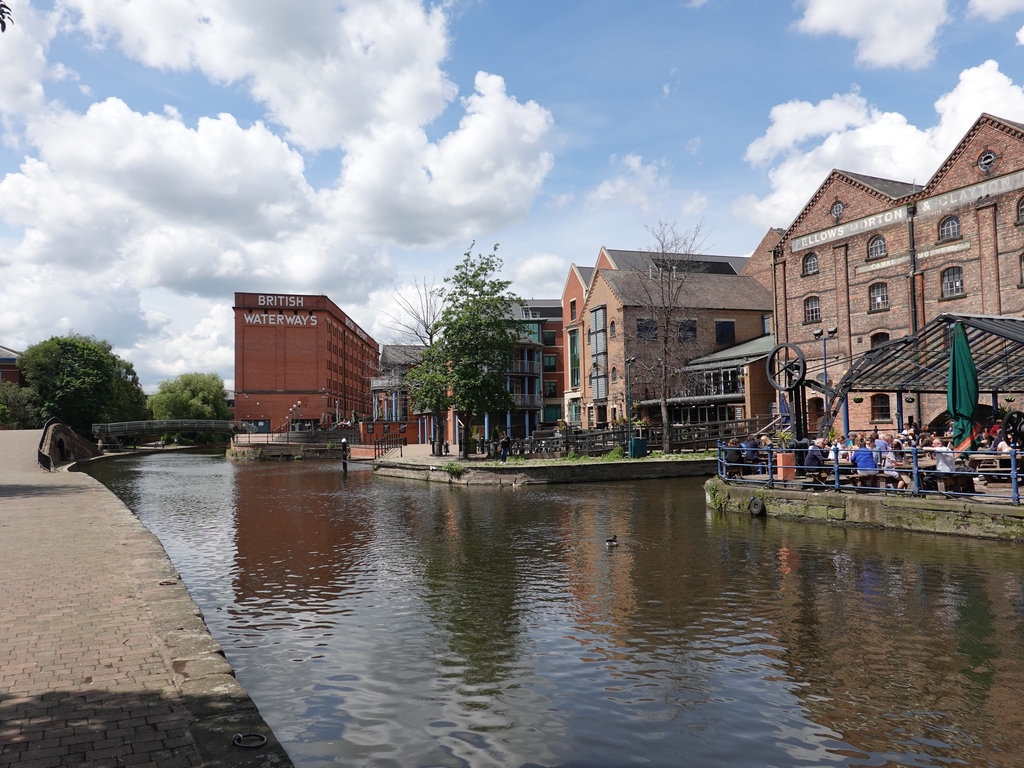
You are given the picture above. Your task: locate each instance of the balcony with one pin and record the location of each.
(388, 383)
(525, 366)
(528, 401)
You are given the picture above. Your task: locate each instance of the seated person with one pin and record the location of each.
(890, 462)
(733, 458)
(749, 447)
(864, 459)
(945, 465)
(815, 461)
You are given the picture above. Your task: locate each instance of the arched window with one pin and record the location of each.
(949, 229)
(811, 264)
(879, 338)
(880, 408)
(953, 282)
(1020, 210)
(877, 248)
(615, 375)
(611, 329)
(879, 296)
(812, 310)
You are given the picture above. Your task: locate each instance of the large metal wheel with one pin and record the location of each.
(1013, 428)
(787, 367)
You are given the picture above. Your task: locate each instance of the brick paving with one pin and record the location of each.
(104, 657)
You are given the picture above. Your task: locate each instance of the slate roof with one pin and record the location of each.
(586, 273)
(8, 355)
(400, 354)
(703, 291)
(641, 261)
(737, 355)
(889, 187)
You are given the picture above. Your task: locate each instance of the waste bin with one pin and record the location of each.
(637, 447)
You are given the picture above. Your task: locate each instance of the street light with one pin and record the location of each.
(825, 336)
(629, 405)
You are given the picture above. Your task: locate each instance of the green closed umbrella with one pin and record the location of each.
(962, 391)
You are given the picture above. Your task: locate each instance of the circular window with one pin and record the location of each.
(837, 208)
(986, 160)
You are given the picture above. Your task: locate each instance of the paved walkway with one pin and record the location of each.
(104, 657)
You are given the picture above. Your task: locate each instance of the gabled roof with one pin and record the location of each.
(642, 261)
(1006, 126)
(584, 274)
(8, 355)
(889, 187)
(400, 354)
(702, 290)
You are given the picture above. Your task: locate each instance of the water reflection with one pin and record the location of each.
(383, 623)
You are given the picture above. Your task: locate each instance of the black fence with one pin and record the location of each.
(988, 475)
(388, 443)
(706, 435)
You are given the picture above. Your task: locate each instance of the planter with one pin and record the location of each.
(785, 466)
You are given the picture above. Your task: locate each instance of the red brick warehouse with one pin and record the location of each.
(300, 361)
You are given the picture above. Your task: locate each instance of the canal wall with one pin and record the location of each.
(931, 514)
(296, 452)
(541, 474)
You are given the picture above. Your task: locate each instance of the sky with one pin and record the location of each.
(159, 155)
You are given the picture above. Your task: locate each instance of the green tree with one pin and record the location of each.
(73, 378)
(190, 396)
(127, 400)
(478, 338)
(429, 390)
(18, 406)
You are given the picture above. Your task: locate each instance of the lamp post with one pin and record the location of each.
(629, 407)
(825, 336)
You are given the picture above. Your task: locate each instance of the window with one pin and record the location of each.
(949, 229)
(611, 329)
(725, 332)
(879, 293)
(879, 338)
(615, 375)
(574, 358)
(553, 413)
(880, 409)
(550, 363)
(766, 324)
(549, 338)
(687, 330)
(812, 309)
(877, 248)
(1020, 211)
(550, 389)
(572, 309)
(811, 264)
(952, 282)
(646, 329)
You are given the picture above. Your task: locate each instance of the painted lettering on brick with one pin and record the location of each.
(271, 300)
(848, 229)
(307, 321)
(958, 197)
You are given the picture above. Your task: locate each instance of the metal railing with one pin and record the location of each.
(163, 426)
(708, 434)
(304, 437)
(388, 443)
(525, 366)
(528, 401)
(988, 475)
(387, 382)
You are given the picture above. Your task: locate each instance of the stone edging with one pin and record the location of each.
(543, 474)
(931, 514)
(219, 705)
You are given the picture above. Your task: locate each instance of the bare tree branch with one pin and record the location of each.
(419, 315)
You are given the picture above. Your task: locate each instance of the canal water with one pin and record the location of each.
(381, 622)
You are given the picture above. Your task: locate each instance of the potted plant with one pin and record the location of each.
(785, 457)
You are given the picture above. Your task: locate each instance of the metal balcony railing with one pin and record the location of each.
(529, 401)
(525, 366)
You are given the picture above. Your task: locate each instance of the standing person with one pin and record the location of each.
(503, 447)
(344, 454)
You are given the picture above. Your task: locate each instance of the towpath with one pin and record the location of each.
(104, 657)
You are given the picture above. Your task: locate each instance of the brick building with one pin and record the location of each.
(300, 361)
(605, 325)
(877, 259)
(9, 370)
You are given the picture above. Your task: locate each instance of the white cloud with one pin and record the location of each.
(994, 10)
(850, 134)
(694, 205)
(1020, 36)
(539, 276)
(632, 188)
(889, 33)
(115, 204)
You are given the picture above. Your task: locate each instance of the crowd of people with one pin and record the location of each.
(871, 458)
